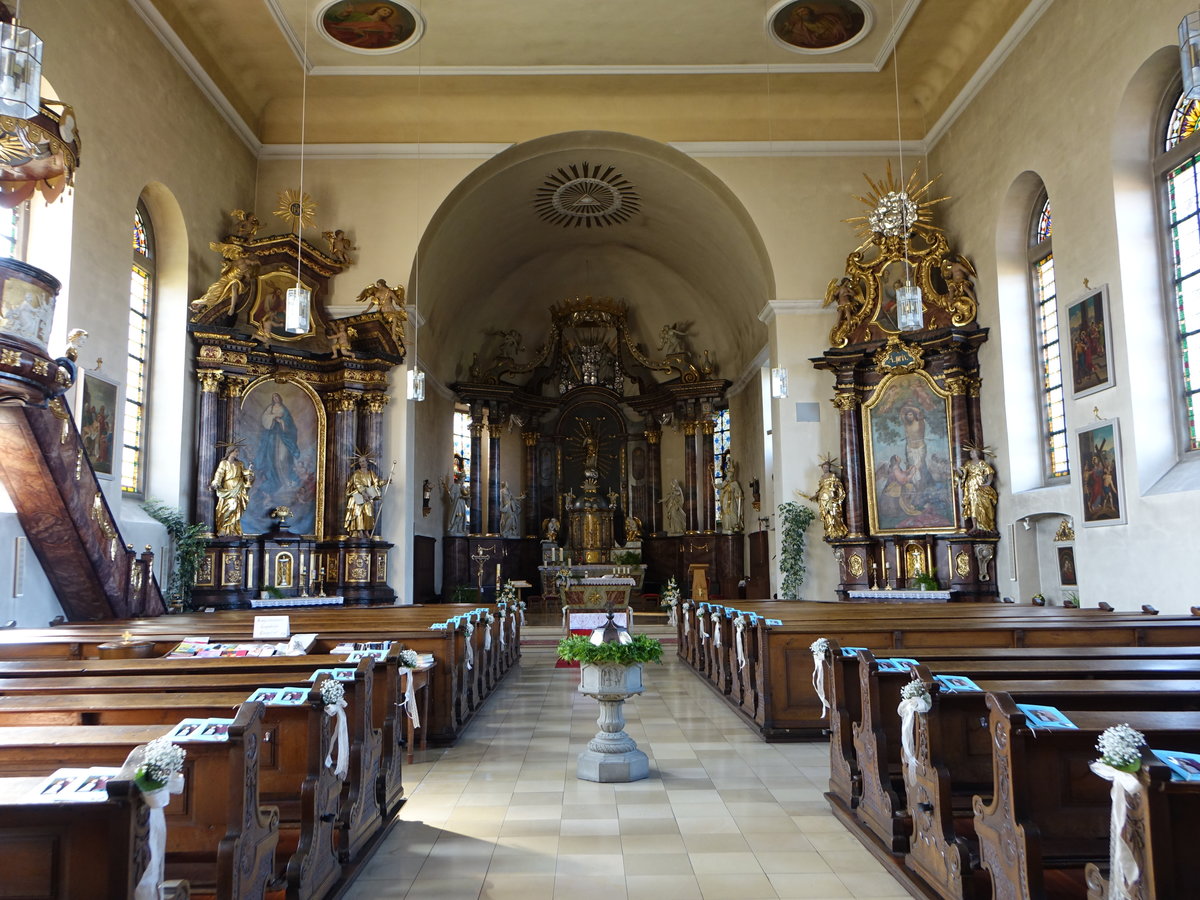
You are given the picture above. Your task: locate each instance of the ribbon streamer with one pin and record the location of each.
(522, 611)
(819, 682)
(672, 621)
(1125, 872)
(470, 630)
(147, 888)
(739, 626)
(410, 697)
(700, 625)
(341, 746)
(716, 618)
(908, 710)
(686, 621)
(513, 624)
(487, 638)
(500, 630)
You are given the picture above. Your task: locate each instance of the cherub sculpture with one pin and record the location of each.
(340, 246)
(237, 276)
(850, 306)
(671, 339)
(339, 339)
(246, 224)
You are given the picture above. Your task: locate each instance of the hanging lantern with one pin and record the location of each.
(20, 71)
(910, 313)
(416, 384)
(299, 302)
(1189, 54)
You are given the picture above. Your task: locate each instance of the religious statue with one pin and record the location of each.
(673, 508)
(339, 339)
(247, 224)
(975, 478)
(613, 499)
(75, 339)
(237, 276)
(510, 512)
(671, 339)
(340, 246)
(363, 489)
(389, 303)
(850, 307)
(958, 273)
(231, 483)
(633, 529)
(459, 493)
(830, 496)
(550, 528)
(731, 501)
(510, 343)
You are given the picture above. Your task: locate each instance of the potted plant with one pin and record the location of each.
(610, 669)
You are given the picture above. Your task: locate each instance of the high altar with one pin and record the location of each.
(290, 424)
(912, 512)
(594, 406)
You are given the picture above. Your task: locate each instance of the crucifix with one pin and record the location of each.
(479, 558)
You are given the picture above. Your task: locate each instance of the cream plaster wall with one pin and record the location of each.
(1058, 107)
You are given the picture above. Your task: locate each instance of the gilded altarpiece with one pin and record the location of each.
(301, 408)
(908, 403)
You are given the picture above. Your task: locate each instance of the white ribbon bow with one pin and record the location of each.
(147, 888)
(700, 625)
(521, 610)
(500, 630)
(716, 618)
(1125, 872)
(908, 710)
(686, 621)
(410, 697)
(470, 629)
(341, 745)
(672, 621)
(819, 681)
(739, 626)
(487, 638)
(513, 623)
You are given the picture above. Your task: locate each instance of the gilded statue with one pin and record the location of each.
(633, 529)
(339, 339)
(231, 483)
(550, 528)
(246, 224)
(851, 306)
(974, 478)
(962, 302)
(830, 496)
(236, 279)
(389, 303)
(340, 246)
(363, 489)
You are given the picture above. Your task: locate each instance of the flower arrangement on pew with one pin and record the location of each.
(1121, 748)
(161, 761)
(670, 599)
(508, 594)
(408, 659)
(333, 697)
(914, 698)
(159, 775)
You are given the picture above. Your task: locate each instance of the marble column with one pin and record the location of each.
(706, 461)
(690, 505)
(207, 453)
(475, 525)
(342, 425)
(495, 423)
(532, 498)
(653, 524)
(370, 428)
(847, 402)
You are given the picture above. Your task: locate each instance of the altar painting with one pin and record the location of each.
(909, 468)
(283, 430)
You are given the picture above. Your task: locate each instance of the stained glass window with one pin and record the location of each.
(1183, 121)
(141, 301)
(462, 443)
(1045, 299)
(720, 453)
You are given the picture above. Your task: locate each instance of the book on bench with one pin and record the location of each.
(956, 683)
(1183, 766)
(280, 696)
(75, 785)
(201, 730)
(1045, 717)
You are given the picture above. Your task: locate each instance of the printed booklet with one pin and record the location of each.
(956, 683)
(75, 785)
(1184, 766)
(201, 730)
(1045, 717)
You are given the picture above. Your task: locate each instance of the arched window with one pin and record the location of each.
(462, 442)
(1045, 317)
(141, 303)
(720, 453)
(1176, 166)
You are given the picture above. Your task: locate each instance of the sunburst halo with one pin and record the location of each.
(296, 209)
(895, 209)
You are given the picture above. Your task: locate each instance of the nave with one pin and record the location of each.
(723, 814)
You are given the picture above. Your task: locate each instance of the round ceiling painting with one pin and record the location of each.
(819, 26)
(370, 26)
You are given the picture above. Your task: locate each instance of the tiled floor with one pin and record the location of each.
(722, 815)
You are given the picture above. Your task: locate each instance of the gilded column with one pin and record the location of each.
(211, 423)
(690, 505)
(707, 461)
(532, 498)
(847, 402)
(475, 526)
(654, 461)
(495, 422)
(342, 426)
(370, 427)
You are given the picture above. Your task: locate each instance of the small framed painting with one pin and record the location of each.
(96, 413)
(1090, 343)
(1066, 567)
(1100, 464)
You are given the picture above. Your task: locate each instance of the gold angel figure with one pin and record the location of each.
(851, 305)
(340, 246)
(237, 276)
(960, 275)
(379, 296)
(247, 224)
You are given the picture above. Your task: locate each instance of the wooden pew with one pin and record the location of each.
(219, 837)
(80, 850)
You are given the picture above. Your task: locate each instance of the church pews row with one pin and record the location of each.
(763, 669)
(988, 806)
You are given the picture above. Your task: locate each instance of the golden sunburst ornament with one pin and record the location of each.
(897, 210)
(297, 209)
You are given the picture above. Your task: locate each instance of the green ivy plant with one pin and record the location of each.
(187, 540)
(794, 520)
(923, 581)
(577, 648)
(627, 558)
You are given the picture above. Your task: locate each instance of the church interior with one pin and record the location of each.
(785, 329)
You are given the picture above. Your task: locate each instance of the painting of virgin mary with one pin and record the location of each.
(279, 422)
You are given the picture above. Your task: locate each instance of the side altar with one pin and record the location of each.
(290, 425)
(911, 504)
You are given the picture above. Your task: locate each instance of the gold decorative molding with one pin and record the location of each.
(1065, 531)
(689, 429)
(41, 367)
(855, 565)
(707, 426)
(961, 385)
(530, 438)
(235, 386)
(10, 358)
(653, 436)
(898, 357)
(210, 380)
(962, 563)
(374, 402)
(846, 400)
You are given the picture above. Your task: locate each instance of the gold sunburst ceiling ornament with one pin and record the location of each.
(897, 210)
(297, 209)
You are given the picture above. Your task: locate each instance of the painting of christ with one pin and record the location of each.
(369, 25)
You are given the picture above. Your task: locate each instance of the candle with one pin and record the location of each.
(497, 573)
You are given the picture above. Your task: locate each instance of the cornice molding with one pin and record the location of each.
(750, 372)
(382, 151)
(796, 148)
(776, 308)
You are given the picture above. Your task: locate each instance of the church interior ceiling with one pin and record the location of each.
(718, 72)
